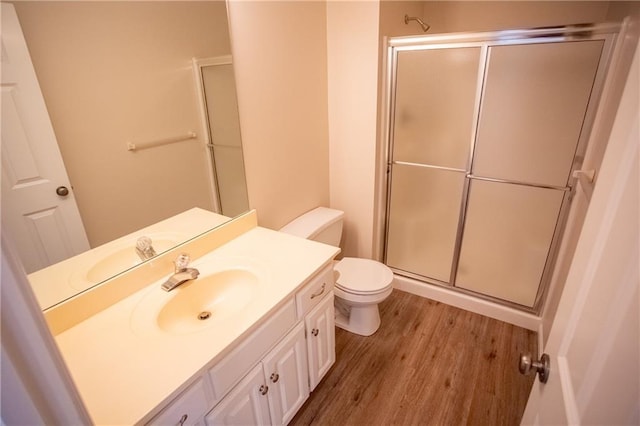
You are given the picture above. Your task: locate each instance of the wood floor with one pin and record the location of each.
(428, 364)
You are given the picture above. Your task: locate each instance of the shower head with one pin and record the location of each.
(425, 27)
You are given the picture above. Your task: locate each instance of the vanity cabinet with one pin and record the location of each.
(273, 391)
(267, 377)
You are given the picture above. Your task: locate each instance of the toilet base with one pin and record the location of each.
(362, 320)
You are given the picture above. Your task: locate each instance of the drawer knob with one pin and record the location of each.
(314, 295)
(274, 377)
(263, 389)
(315, 331)
(183, 419)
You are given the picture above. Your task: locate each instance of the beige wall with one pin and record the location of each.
(618, 10)
(456, 16)
(353, 79)
(280, 55)
(113, 72)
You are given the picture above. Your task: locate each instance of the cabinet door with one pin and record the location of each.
(246, 404)
(321, 340)
(285, 371)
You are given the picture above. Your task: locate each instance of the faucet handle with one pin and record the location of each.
(181, 262)
(143, 243)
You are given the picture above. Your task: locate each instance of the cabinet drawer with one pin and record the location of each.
(230, 370)
(314, 291)
(186, 409)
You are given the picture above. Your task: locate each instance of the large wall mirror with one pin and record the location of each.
(119, 74)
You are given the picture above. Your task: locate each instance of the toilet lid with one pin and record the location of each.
(363, 276)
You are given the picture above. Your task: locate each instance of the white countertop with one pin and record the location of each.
(123, 374)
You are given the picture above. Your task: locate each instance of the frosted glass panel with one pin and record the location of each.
(232, 185)
(423, 220)
(532, 111)
(507, 235)
(222, 105)
(435, 98)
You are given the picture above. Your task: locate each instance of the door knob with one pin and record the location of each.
(542, 367)
(62, 191)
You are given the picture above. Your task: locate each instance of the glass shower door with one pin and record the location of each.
(533, 108)
(433, 126)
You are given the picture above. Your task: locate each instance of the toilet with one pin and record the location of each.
(360, 283)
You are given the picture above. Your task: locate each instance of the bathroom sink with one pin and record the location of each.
(207, 299)
(109, 261)
(212, 298)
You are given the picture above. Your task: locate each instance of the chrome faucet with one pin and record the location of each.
(181, 274)
(144, 248)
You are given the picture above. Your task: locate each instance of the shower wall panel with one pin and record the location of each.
(435, 101)
(424, 220)
(507, 236)
(533, 106)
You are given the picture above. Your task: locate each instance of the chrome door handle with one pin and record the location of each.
(541, 367)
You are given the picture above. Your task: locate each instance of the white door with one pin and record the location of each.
(594, 343)
(45, 227)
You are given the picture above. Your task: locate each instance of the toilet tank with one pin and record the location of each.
(322, 224)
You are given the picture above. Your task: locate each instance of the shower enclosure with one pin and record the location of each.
(219, 111)
(484, 134)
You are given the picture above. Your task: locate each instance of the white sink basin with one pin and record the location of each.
(106, 263)
(219, 292)
(207, 299)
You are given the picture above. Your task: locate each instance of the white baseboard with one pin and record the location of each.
(470, 303)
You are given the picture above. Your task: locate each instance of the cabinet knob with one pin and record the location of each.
(274, 377)
(183, 419)
(263, 389)
(315, 331)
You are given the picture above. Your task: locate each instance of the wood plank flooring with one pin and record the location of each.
(428, 364)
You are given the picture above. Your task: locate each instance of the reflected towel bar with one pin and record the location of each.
(151, 144)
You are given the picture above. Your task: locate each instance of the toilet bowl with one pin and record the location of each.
(361, 284)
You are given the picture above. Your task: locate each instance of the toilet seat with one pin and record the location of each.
(363, 276)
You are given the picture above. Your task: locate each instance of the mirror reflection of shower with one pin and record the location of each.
(425, 27)
(219, 108)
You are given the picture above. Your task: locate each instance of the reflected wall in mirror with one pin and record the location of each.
(115, 73)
